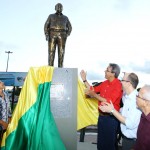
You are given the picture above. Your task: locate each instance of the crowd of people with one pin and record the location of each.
(133, 117)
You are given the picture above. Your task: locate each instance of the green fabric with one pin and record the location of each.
(36, 128)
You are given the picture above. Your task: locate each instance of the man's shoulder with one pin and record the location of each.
(51, 15)
(63, 16)
(117, 81)
(56, 15)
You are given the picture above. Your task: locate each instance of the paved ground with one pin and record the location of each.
(86, 146)
(90, 141)
(89, 137)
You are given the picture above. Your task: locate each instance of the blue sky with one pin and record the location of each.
(104, 31)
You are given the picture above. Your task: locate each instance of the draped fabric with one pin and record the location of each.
(87, 108)
(33, 126)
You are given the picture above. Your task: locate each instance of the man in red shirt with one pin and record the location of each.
(110, 90)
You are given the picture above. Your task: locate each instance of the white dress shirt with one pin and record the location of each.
(132, 115)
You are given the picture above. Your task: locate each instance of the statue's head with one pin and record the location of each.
(59, 7)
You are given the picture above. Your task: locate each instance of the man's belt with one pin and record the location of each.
(104, 114)
(134, 139)
(58, 30)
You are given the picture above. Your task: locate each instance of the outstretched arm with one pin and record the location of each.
(83, 75)
(90, 91)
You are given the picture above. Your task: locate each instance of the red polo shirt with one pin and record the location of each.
(111, 91)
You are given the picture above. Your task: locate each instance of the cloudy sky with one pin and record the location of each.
(104, 31)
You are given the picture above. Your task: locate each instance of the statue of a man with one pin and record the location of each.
(57, 28)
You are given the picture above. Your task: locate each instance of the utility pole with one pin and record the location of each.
(8, 52)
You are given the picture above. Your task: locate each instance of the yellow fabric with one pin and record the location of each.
(87, 109)
(35, 76)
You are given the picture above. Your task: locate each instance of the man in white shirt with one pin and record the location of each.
(130, 114)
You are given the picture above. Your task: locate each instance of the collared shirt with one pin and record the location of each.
(143, 138)
(60, 22)
(5, 110)
(132, 115)
(111, 91)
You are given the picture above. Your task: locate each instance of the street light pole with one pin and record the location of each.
(8, 52)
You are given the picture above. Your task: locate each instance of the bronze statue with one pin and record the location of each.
(57, 27)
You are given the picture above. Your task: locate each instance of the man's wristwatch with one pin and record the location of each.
(112, 111)
(84, 80)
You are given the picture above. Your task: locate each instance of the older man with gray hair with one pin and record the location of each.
(143, 103)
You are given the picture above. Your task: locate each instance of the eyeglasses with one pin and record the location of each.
(141, 98)
(125, 81)
(108, 71)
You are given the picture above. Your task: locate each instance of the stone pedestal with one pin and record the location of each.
(63, 104)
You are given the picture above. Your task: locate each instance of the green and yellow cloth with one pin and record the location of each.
(32, 126)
